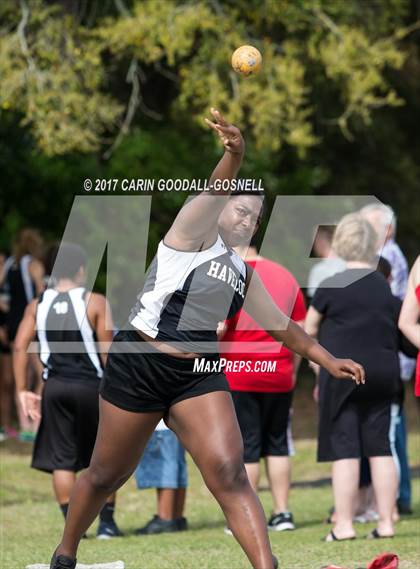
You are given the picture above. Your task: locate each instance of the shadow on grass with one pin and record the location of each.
(14, 446)
(12, 496)
(322, 482)
(203, 525)
(312, 523)
(195, 526)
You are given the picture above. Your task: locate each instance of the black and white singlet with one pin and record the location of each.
(21, 290)
(62, 317)
(186, 294)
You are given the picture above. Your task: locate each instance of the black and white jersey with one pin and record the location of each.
(186, 294)
(21, 290)
(18, 280)
(61, 318)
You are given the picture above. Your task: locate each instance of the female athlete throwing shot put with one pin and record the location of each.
(194, 281)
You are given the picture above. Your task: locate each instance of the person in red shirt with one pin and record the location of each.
(410, 314)
(262, 378)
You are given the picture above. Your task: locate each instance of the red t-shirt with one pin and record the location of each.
(266, 366)
(417, 384)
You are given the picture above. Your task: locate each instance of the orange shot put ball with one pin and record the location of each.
(246, 60)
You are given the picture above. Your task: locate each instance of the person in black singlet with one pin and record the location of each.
(23, 276)
(195, 281)
(66, 314)
(6, 375)
(22, 281)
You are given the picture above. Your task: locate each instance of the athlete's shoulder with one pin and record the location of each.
(46, 294)
(176, 245)
(239, 263)
(35, 266)
(94, 299)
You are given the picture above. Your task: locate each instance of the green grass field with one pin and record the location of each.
(31, 524)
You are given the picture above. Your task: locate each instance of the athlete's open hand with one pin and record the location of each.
(347, 369)
(31, 404)
(230, 135)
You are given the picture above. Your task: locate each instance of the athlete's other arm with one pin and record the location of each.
(261, 307)
(410, 310)
(29, 401)
(196, 223)
(100, 318)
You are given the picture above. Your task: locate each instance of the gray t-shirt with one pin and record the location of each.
(323, 270)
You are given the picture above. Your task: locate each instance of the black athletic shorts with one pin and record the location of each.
(67, 433)
(360, 428)
(152, 381)
(264, 420)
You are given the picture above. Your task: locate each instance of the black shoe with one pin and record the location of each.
(157, 525)
(62, 562)
(275, 562)
(281, 522)
(108, 530)
(182, 524)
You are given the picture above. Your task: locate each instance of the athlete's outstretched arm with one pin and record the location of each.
(196, 223)
(25, 334)
(261, 307)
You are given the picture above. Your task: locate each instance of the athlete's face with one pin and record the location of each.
(240, 220)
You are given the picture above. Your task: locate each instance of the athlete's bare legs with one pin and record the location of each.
(207, 427)
(122, 437)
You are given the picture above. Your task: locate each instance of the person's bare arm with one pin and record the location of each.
(37, 272)
(2, 274)
(261, 307)
(410, 310)
(297, 359)
(100, 317)
(29, 401)
(196, 223)
(312, 323)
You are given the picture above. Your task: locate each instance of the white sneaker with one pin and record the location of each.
(281, 522)
(366, 517)
(227, 531)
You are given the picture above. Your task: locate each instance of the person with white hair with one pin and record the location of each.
(384, 222)
(383, 219)
(354, 311)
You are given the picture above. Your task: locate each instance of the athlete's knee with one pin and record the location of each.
(229, 476)
(105, 479)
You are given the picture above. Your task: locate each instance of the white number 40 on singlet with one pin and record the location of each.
(61, 307)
